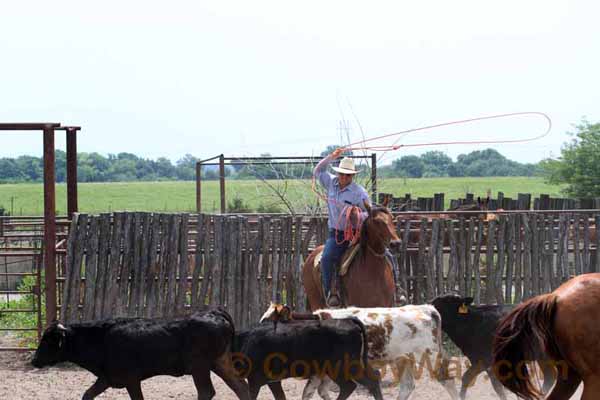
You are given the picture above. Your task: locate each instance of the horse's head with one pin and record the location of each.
(378, 229)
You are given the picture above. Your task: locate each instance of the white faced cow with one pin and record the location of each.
(408, 339)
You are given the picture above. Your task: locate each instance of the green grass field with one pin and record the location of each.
(27, 199)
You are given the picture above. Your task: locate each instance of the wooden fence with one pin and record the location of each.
(143, 264)
(522, 202)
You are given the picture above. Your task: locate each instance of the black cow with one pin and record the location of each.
(123, 352)
(472, 329)
(271, 352)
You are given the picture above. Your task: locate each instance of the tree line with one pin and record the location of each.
(577, 168)
(94, 167)
(432, 164)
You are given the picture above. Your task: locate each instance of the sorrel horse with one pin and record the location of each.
(369, 281)
(563, 324)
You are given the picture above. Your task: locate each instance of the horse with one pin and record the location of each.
(369, 281)
(563, 324)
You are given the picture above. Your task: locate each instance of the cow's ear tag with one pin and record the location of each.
(463, 309)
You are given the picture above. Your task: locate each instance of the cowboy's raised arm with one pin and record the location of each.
(320, 172)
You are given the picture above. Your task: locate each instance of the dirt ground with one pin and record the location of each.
(19, 380)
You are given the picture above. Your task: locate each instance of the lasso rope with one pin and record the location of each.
(353, 146)
(349, 233)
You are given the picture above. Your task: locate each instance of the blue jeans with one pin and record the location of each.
(332, 254)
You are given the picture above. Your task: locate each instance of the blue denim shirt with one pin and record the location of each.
(340, 199)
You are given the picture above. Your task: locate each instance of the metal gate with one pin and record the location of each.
(21, 321)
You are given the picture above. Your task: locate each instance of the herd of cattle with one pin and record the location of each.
(329, 348)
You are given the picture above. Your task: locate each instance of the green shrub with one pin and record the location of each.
(9, 320)
(237, 205)
(269, 209)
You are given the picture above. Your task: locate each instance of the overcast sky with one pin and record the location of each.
(242, 78)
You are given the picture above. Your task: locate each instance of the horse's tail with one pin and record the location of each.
(525, 331)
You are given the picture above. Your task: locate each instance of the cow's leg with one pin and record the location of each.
(565, 388)
(371, 381)
(203, 383)
(135, 391)
(404, 378)
(254, 384)
(346, 389)
(467, 379)
(443, 376)
(98, 387)
(498, 388)
(310, 388)
(277, 390)
(326, 386)
(223, 367)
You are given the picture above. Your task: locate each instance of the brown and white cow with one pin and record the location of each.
(408, 339)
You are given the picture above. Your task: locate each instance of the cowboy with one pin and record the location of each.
(342, 193)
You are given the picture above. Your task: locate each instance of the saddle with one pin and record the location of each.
(347, 258)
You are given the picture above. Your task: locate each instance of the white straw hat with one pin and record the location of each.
(346, 166)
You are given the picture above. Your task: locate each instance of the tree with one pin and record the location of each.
(579, 163)
(163, 168)
(60, 165)
(31, 167)
(10, 171)
(186, 168)
(436, 163)
(409, 166)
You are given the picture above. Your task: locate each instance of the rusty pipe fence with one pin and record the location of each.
(21, 280)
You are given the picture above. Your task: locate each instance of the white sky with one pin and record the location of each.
(241, 78)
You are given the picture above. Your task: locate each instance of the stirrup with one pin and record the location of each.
(333, 301)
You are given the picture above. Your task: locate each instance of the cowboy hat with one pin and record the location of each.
(346, 166)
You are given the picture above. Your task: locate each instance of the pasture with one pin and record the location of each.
(179, 196)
